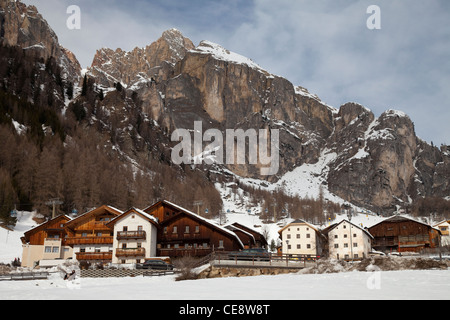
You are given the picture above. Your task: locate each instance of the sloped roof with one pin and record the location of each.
(147, 216)
(93, 212)
(328, 229)
(42, 225)
(299, 221)
(200, 218)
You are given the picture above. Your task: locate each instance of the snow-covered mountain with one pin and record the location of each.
(133, 101)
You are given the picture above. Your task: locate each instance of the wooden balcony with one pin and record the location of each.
(89, 240)
(94, 256)
(182, 252)
(132, 252)
(125, 235)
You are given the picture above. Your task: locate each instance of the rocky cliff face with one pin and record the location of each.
(379, 162)
(139, 66)
(23, 26)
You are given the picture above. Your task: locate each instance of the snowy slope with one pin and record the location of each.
(10, 243)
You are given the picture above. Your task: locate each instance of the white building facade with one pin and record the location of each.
(135, 237)
(347, 241)
(301, 238)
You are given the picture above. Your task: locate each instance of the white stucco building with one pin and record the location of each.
(135, 237)
(348, 241)
(301, 238)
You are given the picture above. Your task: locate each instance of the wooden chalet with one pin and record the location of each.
(184, 233)
(402, 234)
(90, 237)
(48, 241)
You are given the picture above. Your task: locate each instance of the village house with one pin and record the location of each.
(90, 237)
(108, 235)
(135, 237)
(46, 244)
(444, 228)
(184, 233)
(347, 241)
(402, 234)
(301, 238)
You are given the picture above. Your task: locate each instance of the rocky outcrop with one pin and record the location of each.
(141, 65)
(379, 163)
(23, 26)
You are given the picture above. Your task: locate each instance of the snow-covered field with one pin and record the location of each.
(401, 285)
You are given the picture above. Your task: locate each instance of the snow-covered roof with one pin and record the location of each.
(139, 211)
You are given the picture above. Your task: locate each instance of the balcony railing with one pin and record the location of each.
(89, 240)
(133, 252)
(94, 256)
(123, 235)
(182, 252)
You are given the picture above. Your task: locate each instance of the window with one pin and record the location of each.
(335, 236)
(84, 234)
(336, 246)
(139, 245)
(48, 249)
(205, 245)
(55, 249)
(124, 245)
(354, 235)
(99, 234)
(140, 228)
(298, 236)
(186, 229)
(288, 236)
(308, 235)
(345, 245)
(197, 229)
(176, 246)
(308, 246)
(355, 245)
(125, 228)
(175, 229)
(345, 236)
(289, 247)
(97, 250)
(165, 230)
(220, 243)
(299, 246)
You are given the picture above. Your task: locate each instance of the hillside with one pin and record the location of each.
(103, 135)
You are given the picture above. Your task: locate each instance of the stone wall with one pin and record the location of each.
(224, 272)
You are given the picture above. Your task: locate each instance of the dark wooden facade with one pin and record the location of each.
(52, 229)
(403, 235)
(183, 233)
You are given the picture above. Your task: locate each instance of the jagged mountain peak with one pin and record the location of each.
(24, 26)
(130, 67)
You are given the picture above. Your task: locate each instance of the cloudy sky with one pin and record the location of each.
(323, 45)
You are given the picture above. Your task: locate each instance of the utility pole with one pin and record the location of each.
(198, 203)
(54, 203)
